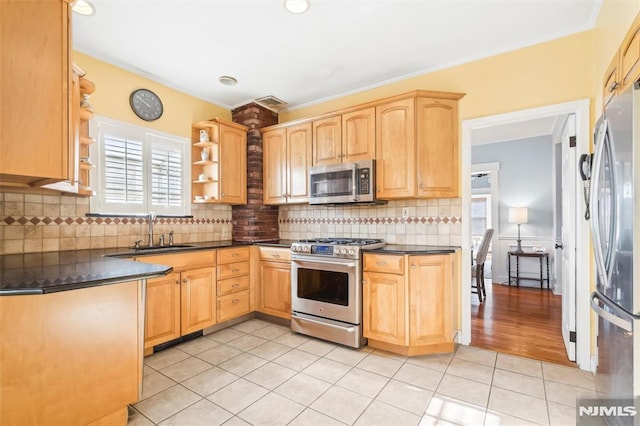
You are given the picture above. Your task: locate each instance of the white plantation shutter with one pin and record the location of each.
(123, 171)
(138, 170)
(166, 173)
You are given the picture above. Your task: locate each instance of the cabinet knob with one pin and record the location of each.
(178, 282)
(277, 256)
(382, 263)
(377, 189)
(613, 86)
(185, 281)
(413, 265)
(421, 187)
(235, 255)
(222, 194)
(235, 286)
(235, 301)
(363, 282)
(234, 270)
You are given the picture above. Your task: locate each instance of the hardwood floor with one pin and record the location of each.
(519, 321)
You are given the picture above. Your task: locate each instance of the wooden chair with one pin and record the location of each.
(477, 269)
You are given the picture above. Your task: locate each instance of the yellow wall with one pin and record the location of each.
(114, 85)
(557, 71)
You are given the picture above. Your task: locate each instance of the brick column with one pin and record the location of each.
(254, 221)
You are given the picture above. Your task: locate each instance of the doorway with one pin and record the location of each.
(581, 274)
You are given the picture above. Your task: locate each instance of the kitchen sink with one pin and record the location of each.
(164, 247)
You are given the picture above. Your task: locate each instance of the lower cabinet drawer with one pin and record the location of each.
(230, 270)
(233, 305)
(233, 285)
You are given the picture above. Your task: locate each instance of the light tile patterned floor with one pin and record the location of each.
(259, 373)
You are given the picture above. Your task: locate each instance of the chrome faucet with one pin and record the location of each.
(151, 217)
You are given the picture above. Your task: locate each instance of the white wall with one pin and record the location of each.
(525, 179)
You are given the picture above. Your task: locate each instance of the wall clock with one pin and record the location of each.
(146, 104)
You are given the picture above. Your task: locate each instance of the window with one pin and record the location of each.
(139, 170)
(480, 216)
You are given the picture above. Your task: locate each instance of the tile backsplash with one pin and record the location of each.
(31, 223)
(433, 222)
(34, 223)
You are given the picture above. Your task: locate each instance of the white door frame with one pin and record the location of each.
(583, 276)
(493, 168)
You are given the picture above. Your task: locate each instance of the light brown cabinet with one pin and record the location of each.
(275, 282)
(624, 68)
(359, 135)
(219, 164)
(611, 83)
(344, 138)
(36, 114)
(630, 55)
(407, 303)
(417, 147)
(79, 164)
(327, 141)
(183, 301)
(396, 149)
(233, 283)
(286, 162)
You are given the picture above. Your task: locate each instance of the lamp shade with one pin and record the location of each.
(518, 214)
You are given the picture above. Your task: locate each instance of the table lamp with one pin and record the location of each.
(518, 215)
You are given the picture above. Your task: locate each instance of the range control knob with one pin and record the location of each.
(352, 252)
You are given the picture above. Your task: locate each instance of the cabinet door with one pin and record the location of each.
(430, 299)
(299, 161)
(611, 83)
(162, 314)
(359, 135)
(395, 150)
(383, 301)
(233, 165)
(437, 147)
(327, 141)
(630, 55)
(35, 98)
(198, 299)
(275, 289)
(274, 165)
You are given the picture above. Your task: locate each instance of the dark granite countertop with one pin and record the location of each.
(49, 272)
(414, 249)
(40, 273)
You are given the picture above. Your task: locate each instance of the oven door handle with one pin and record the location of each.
(295, 316)
(323, 262)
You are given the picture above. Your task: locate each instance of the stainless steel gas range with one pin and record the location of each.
(326, 288)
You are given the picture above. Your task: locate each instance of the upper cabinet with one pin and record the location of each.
(417, 147)
(413, 138)
(396, 149)
(344, 138)
(219, 162)
(287, 158)
(624, 68)
(359, 135)
(630, 55)
(36, 100)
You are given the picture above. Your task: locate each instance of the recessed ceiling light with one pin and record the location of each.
(296, 6)
(228, 80)
(83, 7)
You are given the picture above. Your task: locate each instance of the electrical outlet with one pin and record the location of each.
(405, 212)
(225, 233)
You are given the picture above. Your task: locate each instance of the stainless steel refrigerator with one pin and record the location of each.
(615, 226)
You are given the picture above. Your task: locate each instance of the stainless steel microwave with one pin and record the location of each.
(343, 183)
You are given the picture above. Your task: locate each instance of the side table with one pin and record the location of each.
(516, 278)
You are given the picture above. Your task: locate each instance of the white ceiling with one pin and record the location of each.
(337, 47)
(516, 130)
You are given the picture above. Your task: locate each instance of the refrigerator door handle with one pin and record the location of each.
(595, 187)
(619, 317)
